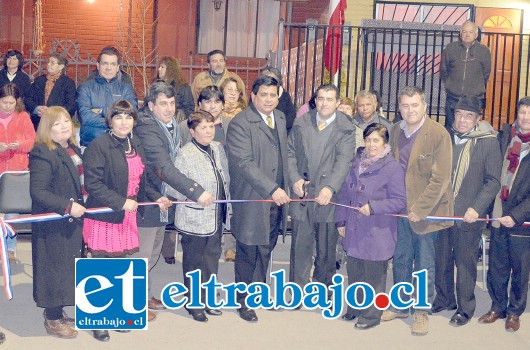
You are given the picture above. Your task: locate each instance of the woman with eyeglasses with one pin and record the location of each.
(234, 96)
(54, 88)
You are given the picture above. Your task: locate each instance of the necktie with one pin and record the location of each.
(269, 122)
(321, 125)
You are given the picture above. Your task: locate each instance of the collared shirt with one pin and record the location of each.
(403, 126)
(328, 121)
(264, 117)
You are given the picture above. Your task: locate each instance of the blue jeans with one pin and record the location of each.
(414, 252)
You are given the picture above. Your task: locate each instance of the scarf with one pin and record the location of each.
(462, 164)
(174, 146)
(367, 161)
(50, 82)
(519, 143)
(78, 162)
(231, 109)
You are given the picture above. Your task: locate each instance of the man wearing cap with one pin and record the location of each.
(475, 179)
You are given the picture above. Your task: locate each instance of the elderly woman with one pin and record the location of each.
(12, 73)
(52, 89)
(235, 100)
(204, 161)
(169, 70)
(376, 186)
(114, 175)
(56, 185)
(285, 104)
(16, 140)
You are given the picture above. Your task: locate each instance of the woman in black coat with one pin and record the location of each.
(56, 186)
(12, 73)
(52, 89)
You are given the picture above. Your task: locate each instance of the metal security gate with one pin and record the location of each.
(387, 55)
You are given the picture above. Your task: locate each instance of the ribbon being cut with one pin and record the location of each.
(7, 230)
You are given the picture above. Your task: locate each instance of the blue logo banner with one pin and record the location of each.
(111, 294)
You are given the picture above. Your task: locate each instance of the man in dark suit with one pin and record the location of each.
(257, 158)
(321, 149)
(475, 183)
(158, 130)
(510, 243)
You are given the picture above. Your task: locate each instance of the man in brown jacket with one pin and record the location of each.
(423, 148)
(215, 75)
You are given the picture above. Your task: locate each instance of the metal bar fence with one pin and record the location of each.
(387, 59)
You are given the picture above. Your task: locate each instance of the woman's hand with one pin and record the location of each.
(77, 210)
(365, 209)
(164, 203)
(41, 110)
(3, 147)
(13, 145)
(342, 231)
(130, 205)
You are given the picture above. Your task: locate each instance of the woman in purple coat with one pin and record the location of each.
(376, 186)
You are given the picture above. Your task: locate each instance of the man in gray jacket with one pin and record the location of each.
(321, 149)
(366, 111)
(465, 69)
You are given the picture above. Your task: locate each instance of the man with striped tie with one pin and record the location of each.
(320, 150)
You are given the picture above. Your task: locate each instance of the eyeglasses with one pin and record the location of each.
(232, 91)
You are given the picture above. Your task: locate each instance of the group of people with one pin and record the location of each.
(207, 142)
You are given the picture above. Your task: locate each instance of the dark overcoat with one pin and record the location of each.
(54, 179)
(62, 94)
(334, 164)
(253, 161)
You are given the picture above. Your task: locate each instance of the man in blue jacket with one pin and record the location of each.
(97, 94)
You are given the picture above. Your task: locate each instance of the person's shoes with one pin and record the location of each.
(437, 308)
(247, 314)
(213, 312)
(101, 335)
(198, 315)
(2, 337)
(458, 320)
(155, 304)
(490, 317)
(171, 260)
(59, 329)
(390, 315)
(230, 255)
(512, 324)
(420, 326)
(364, 326)
(151, 316)
(12, 257)
(66, 319)
(348, 317)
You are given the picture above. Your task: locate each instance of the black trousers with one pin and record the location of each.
(455, 246)
(252, 261)
(306, 236)
(509, 256)
(373, 273)
(201, 252)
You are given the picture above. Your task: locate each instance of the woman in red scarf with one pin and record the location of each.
(52, 89)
